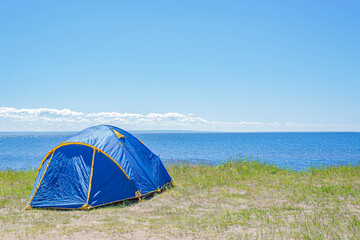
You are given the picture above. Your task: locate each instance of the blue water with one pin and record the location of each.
(295, 151)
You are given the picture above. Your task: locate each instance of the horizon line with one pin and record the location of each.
(186, 131)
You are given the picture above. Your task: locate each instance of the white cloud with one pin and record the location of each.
(47, 119)
(47, 114)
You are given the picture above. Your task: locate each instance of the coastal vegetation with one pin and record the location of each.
(235, 200)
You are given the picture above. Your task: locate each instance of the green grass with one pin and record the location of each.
(235, 200)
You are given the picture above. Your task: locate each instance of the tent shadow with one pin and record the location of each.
(130, 202)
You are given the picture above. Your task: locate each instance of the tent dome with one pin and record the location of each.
(97, 166)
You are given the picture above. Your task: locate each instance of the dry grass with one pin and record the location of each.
(236, 200)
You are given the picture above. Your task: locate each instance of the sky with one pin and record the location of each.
(180, 65)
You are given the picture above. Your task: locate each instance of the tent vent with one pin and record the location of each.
(119, 135)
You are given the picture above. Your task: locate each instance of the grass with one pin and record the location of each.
(235, 200)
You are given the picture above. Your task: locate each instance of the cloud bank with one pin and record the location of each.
(48, 119)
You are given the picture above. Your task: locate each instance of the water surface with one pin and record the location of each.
(290, 150)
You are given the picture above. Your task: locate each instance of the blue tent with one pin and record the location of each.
(99, 165)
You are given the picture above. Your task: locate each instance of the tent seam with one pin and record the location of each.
(132, 166)
(152, 180)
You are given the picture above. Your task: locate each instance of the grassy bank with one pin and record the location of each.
(236, 200)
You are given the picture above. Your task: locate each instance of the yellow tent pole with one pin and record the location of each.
(87, 206)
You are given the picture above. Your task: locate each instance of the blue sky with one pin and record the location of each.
(191, 65)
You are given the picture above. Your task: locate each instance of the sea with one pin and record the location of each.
(296, 151)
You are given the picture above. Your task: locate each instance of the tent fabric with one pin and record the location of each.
(97, 166)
